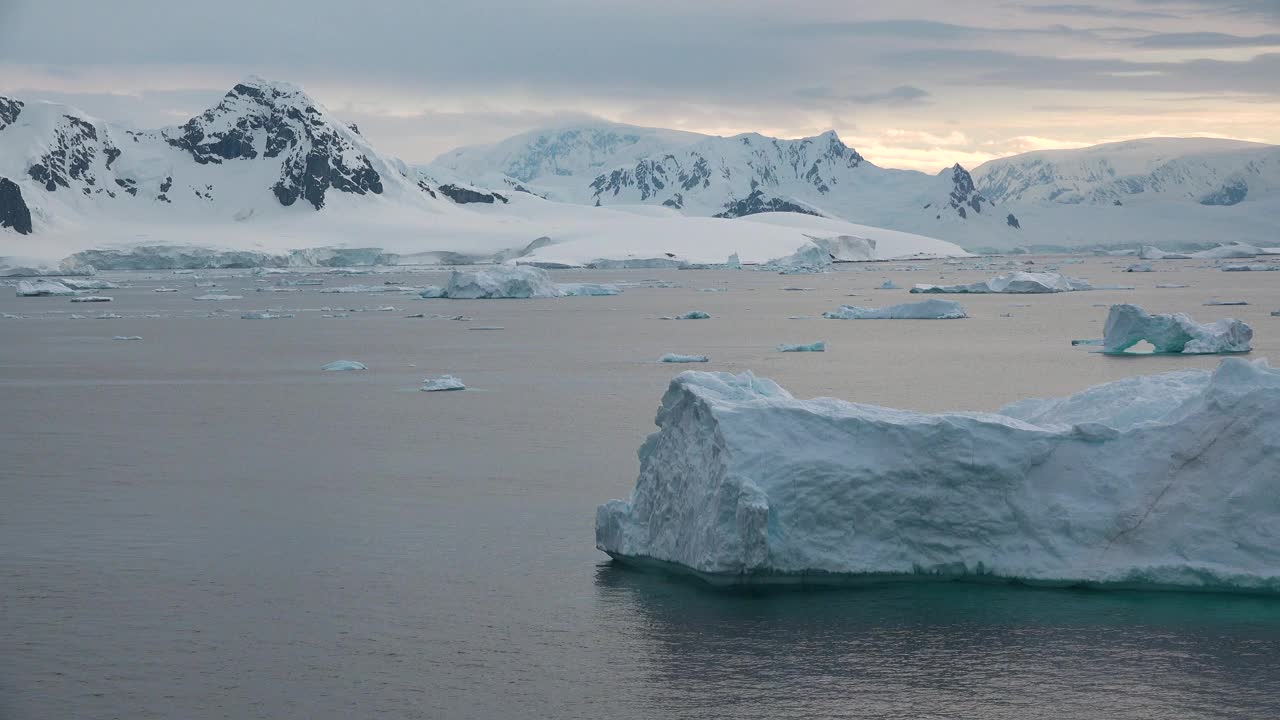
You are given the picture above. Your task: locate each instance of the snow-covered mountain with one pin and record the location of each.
(268, 170)
(702, 175)
(1190, 191)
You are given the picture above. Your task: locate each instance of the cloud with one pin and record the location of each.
(897, 96)
(1093, 11)
(1206, 40)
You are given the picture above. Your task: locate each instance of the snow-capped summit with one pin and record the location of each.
(734, 176)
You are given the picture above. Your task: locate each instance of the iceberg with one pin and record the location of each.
(79, 284)
(1223, 252)
(888, 285)
(1016, 282)
(586, 289)
(431, 291)
(1150, 252)
(1165, 481)
(504, 281)
(342, 365)
(1128, 325)
(1250, 268)
(677, 358)
(1140, 267)
(91, 298)
(927, 310)
(442, 383)
(43, 288)
(819, 346)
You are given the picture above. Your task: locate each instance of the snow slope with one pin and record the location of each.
(268, 171)
(1169, 480)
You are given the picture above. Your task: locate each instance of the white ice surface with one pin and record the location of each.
(1128, 325)
(927, 310)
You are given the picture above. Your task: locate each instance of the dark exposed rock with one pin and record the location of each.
(463, 196)
(9, 111)
(675, 201)
(757, 203)
(1231, 193)
(424, 187)
(964, 193)
(14, 212)
(1013, 221)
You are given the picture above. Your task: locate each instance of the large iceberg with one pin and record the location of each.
(1170, 480)
(503, 281)
(1128, 325)
(1015, 282)
(927, 310)
(43, 288)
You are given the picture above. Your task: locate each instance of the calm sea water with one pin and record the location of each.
(203, 525)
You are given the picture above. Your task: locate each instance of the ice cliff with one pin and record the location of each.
(1169, 480)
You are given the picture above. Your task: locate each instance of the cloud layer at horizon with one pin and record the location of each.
(918, 83)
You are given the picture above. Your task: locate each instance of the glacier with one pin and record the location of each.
(927, 310)
(1128, 325)
(1015, 282)
(1162, 481)
(503, 281)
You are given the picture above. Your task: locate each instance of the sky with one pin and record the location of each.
(918, 84)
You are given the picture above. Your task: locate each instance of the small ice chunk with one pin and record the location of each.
(212, 297)
(351, 289)
(108, 316)
(91, 298)
(692, 315)
(678, 358)
(265, 315)
(1250, 268)
(587, 289)
(1170, 286)
(127, 337)
(165, 289)
(888, 285)
(1227, 302)
(441, 383)
(1097, 341)
(432, 291)
(82, 284)
(339, 365)
(1139, 267)
(1128, 325)
(819, 346)
(927, 310)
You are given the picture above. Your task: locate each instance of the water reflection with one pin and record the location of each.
(946, 650)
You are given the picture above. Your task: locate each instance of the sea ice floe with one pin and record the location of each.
(691, 315)
(1016, 282)
(431, 291)
(89, 284)
(127, 337)
(1128, 325)
(1139, 268)
(214, 297)
(586, 289)
(927, 310)
(90, 299)
(265, 315)
(1250, 268)
(1167, 481)
(819, 346)
(442, 383)
(678, 358)
(341, 365)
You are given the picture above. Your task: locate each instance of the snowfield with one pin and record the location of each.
(1167, 480)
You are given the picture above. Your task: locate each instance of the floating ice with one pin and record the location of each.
(733, 263)
(1227, 302)
(441, 383)
(1097, 341)
(1140, 267)
(127, 337)
(1250, 268)
(691, 315)
(927, 310)
(677, 358)
(165, 289)
(586, 289)
(91, 299)
(265, 315)
(214, 297)
(351, 289)
(819, 346)
(503, 281)
(1016, 282)
(1128, 325)
(1150, 252)
(432, 291)
(43, 288)
(90, 284)
(1161, 481)
(1171, 286)
(340, 365)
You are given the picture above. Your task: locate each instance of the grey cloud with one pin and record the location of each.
(1093, 11)
(1206, 40)
(900, 95)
